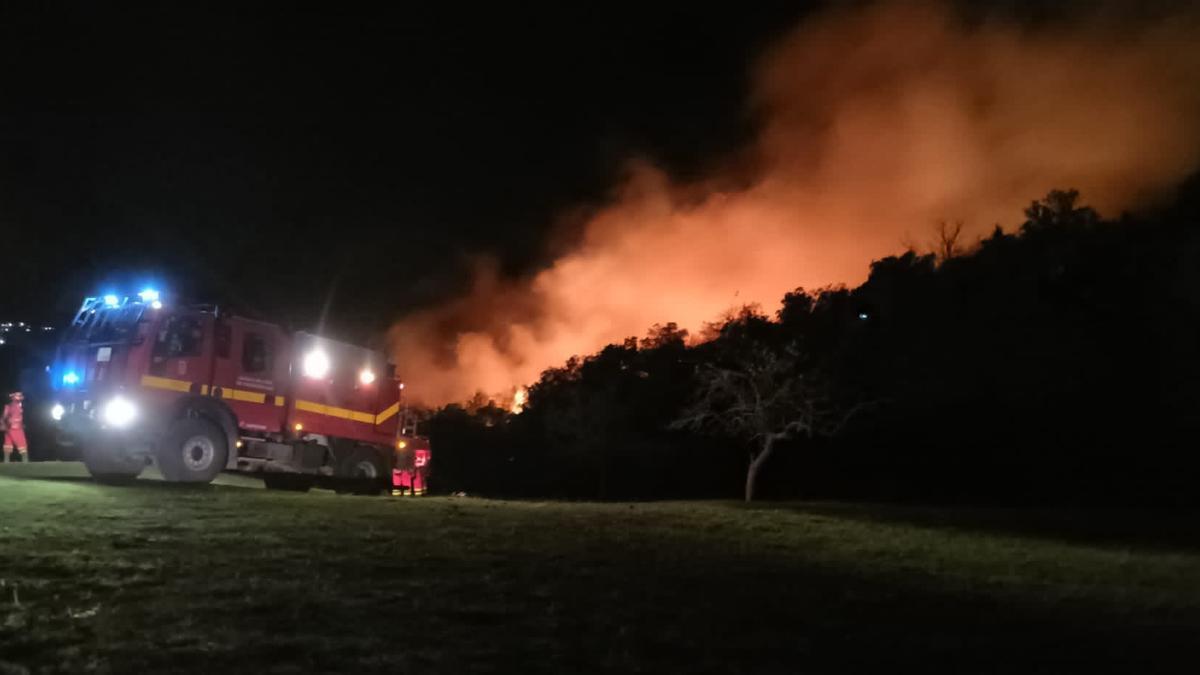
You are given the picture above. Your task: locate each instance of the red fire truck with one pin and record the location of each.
(197, 391)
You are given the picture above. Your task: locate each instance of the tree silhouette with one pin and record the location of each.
(765, 396)
(1056, 210)
(948, 246)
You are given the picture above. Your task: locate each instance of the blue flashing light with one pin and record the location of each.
(149, 295)
(70, 378)
(111, 300)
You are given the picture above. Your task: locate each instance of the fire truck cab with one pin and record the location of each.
(197, 391)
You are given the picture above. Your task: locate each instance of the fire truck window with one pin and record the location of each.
(222, 336)
(181, 337)
(256, 354)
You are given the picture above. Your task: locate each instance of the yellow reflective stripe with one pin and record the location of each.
(243, 395)
(185, 386)
(278, 401)
(332, 411)
(166, 383)
(391, 410)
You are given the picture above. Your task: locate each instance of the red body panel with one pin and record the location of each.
(250, 373)
(340, 404)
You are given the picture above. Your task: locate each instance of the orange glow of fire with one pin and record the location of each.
(875, 123)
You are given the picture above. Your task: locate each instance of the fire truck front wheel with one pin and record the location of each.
(194, 450)
(108, 462)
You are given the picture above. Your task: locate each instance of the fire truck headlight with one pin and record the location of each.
(57, 412)
(366, 376)
(119, 412)
(316, 364)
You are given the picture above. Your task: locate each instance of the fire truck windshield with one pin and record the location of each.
(101, 325)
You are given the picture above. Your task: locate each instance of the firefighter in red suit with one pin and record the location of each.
(14, 427)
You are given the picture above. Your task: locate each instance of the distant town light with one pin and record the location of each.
(863, 316)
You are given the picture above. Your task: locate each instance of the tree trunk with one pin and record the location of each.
(756, 463)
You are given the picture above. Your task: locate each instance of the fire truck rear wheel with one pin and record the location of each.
(193, 451)
(108, 462)
(366, 467)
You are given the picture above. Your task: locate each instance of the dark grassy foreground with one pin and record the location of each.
(154, 578)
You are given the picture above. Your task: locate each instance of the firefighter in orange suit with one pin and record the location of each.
(14, 427)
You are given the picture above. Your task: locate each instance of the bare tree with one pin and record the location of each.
(764, 396)
(947, 242)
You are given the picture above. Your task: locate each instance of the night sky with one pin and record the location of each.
(273, 160)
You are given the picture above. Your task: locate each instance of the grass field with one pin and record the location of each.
(154, 578)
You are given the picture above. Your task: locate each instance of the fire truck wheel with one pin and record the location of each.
(193, 451)
(366, 467)
(108, 463)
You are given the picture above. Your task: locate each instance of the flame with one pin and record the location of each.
(876, 122)
(520, 396)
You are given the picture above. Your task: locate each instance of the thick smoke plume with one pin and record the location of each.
(876, 123)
